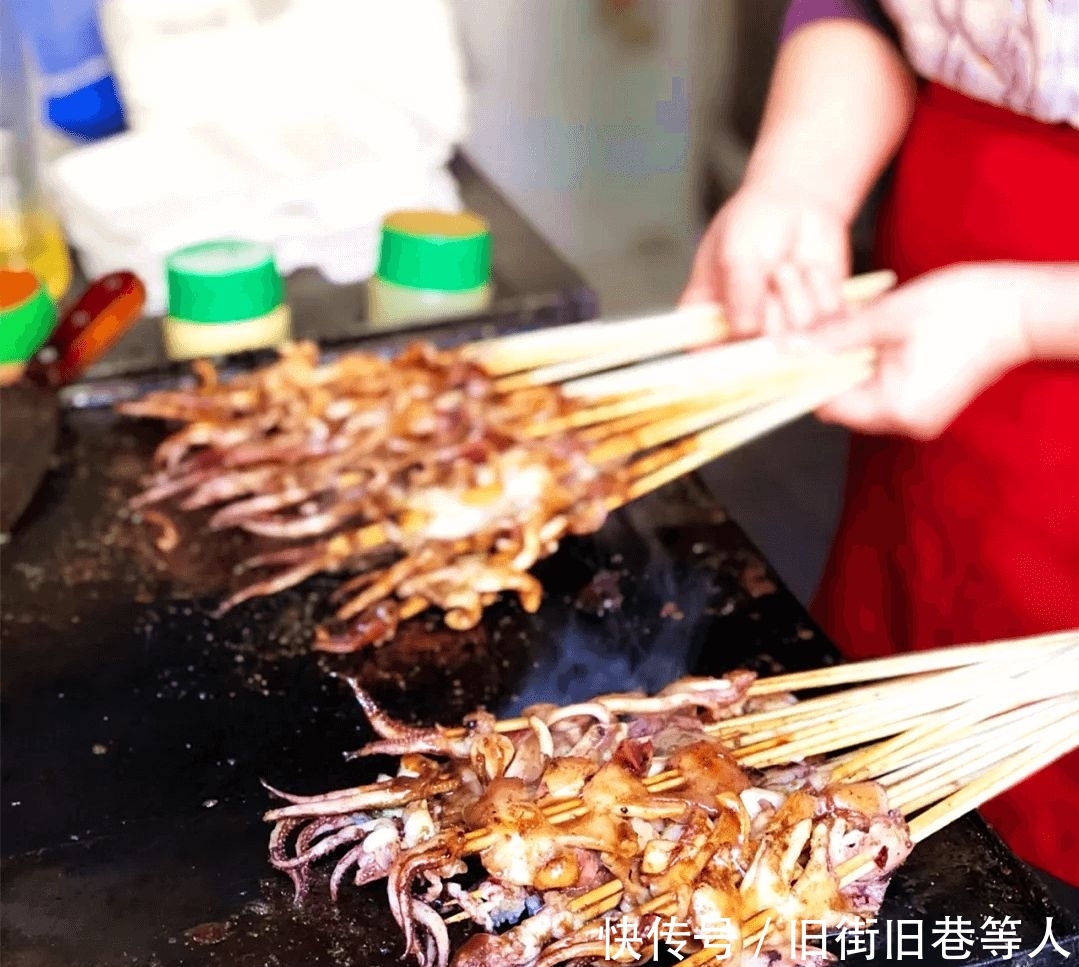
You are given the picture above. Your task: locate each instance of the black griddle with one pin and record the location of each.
(135, 727)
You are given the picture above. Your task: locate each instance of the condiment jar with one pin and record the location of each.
(27, 317)
(224, 297)
(432, 265)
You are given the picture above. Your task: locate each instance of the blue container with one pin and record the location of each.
(62, 37)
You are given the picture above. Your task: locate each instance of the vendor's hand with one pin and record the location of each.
(774, 261)
(942, 339)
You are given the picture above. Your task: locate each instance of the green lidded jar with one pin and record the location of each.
(224, 296)
(432, 265)
(27, 317)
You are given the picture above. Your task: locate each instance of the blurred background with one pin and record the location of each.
(617, 127)
(620, 128)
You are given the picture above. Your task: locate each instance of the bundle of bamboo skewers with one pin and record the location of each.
(936, 734)
(439, 478)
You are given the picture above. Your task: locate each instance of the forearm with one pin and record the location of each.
(839, 105)
(1049, 309)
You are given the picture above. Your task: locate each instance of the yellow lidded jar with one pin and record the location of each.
(432, 265)
(224, 297)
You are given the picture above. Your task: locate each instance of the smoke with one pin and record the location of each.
(649, 638)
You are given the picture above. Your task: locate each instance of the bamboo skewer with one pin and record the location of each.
(1008, 773)
(738, 360)
(598, 432)
(607, 417)
(565, 810)
(683, 328)
(599, 895)
(882, 727)
(730, 370)
(868, 286)
(695, 329)
(893, 667)
(589, 905)
(739, 397)
(891, 758)
(1050, 680)
(654, 434)
(711, 444)
(1001, 727)
(829, 709)
(518, 352)
(948, 694)
(924, 790)
(913, 663)
(775, 723)
(692, 436)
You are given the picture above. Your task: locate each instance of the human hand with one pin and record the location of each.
(941, 340)
(774, 261)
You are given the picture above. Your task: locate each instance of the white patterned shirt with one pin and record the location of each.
(1018, 54)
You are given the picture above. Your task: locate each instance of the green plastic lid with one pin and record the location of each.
(443, 251)
(27, 316)
(223, 281)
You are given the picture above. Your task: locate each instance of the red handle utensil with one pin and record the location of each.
(104, 312)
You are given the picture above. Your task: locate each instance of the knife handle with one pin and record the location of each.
(104, 312)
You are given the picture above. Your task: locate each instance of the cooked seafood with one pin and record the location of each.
(415, 476)
(438, 478)
(623, 810)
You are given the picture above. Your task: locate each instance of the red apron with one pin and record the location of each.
(974, 536)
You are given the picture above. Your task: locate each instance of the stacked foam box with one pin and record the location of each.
(302, 128)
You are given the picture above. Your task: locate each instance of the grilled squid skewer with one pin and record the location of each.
(573, 819)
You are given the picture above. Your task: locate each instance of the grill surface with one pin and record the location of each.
(136, 727)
